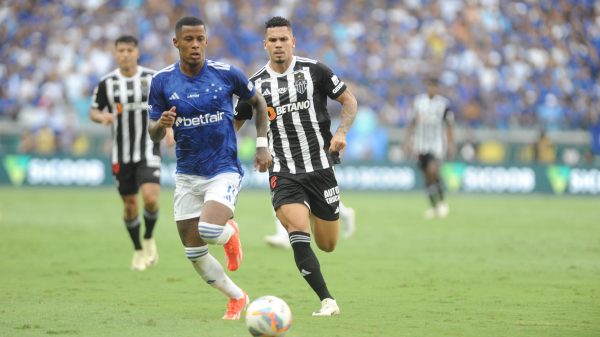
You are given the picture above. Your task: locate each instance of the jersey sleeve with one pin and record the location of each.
(328, 81)
(99, 98)
(242, 87)
(243, 111)
(156, 100)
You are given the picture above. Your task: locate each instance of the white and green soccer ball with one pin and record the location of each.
(268, 316)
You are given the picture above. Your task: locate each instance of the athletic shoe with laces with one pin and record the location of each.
(233, 248)
(150, 252)
(278, 241)
(430, 213)
(348, 222)
(235, 307)
(329, 307)
(138, 263)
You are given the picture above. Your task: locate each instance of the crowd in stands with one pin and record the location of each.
(503, 64)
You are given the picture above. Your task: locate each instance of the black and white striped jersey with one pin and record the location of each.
(431, 116)
(299, 123)
(127, 98)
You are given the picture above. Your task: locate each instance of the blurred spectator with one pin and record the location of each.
(45, 140)
(492, 152)
(369, 140)
(594, 154)
(543, 149)
(468, 149)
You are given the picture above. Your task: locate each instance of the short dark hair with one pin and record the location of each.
(278, 21)
(127, 39)
(432, 80)
(188, 21)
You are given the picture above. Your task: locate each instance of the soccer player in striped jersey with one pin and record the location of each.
(195, 97)
(120, 100)
(430, 133)
(304, 189)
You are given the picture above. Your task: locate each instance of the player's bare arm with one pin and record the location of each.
(169, 137)
(348, 113)
(450, 140)
(102, 117)
(238, 123)
(263, 158)
(158, 129)
(410, 128)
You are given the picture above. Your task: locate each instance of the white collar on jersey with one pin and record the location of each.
(138, 73)
(290, 69)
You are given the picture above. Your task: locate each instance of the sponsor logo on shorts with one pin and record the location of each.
(332, 195)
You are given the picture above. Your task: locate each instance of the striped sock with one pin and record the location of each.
(215, 234)
(432, 192)
(308, 264)
(149, 222)
(133, 228)
(211, 271)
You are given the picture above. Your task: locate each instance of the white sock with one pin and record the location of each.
(343, 210)
(211, 271)
(215, 234)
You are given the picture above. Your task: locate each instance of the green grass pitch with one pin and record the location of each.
(498, 266)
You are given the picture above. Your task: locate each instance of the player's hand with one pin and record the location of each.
(338, 144)
(167, 119)
(263, 159)
(107, 118)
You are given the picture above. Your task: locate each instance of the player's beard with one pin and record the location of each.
(279, 59)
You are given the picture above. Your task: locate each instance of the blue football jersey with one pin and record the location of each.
(206, 143)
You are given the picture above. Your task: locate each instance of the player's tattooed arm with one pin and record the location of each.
(348, 114)
(263, 158)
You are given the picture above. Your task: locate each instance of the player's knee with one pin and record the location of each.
(295, 226)
(327, 246)
(151, 203)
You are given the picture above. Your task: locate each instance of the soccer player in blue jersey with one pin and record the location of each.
(194, 97)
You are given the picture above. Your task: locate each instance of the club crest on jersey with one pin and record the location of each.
(301, 86)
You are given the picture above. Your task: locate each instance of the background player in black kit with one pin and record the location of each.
(121, 101)
(430, 136)
(305, 193)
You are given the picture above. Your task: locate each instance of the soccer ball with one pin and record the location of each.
(268, 316)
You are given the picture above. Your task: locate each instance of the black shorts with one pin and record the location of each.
(318, 190)
(424, 160)
(129, 177)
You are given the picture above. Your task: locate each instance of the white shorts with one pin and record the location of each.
(191, 192)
